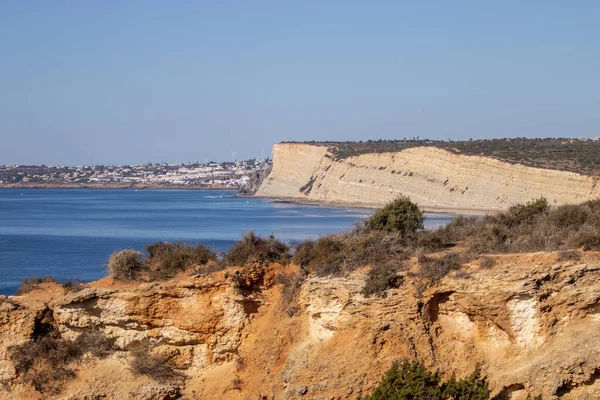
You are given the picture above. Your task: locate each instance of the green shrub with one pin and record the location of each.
(126, 265)
(255, 249)
(30, 284)
(408, 380)
(523, 213)
(379, 279)
(401, 215)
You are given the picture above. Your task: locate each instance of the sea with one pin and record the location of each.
(70, 233)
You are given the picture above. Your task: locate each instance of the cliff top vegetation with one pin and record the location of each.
(566, 154)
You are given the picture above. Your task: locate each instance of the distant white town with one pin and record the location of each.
(233, 175)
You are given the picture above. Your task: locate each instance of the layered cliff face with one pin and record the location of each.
(531, 322)
(432, 177)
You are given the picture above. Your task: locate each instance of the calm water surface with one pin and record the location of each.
(70, 233)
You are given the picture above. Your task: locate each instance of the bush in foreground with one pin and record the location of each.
(163, 261)
(379, 279)
(45, 363)
(256, 249)
(433, 269)
(290, 289)
(401, 215)
(534, 226)
(155, 366)
(30, 284)
(411, 380)
(73, 286)
(166, 259)
(344, 252)
(126, 265)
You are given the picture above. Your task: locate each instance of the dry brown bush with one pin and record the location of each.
(381, 278)
(155, 366)
(252, 278)
(568, 255)
(534, 226)
(166, 259)
(588, 239)
(487, 262)
(344, 252)
(126, 265)
(431, 240)
(433, 269)
(45, 363)
(256, 249)
(291, 285)
(73, 286)
(30, 284)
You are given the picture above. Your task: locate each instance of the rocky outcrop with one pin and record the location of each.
(254, 180)
(432, 177)
(530, 321)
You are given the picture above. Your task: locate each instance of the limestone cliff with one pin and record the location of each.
(531, 321)
(432, 177)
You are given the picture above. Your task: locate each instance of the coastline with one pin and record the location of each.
(371, 206)
(294, 200)
(139, 186)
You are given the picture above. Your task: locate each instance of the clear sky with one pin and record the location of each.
(117, 82)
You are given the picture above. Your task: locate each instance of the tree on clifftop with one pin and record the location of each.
(401, 215)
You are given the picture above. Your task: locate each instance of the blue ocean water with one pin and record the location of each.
(69, 233)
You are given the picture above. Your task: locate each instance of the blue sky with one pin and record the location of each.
(116, 82)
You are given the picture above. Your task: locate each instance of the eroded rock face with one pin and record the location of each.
(430, 176)
(530, 322)
(20, 320)
(203, 320)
